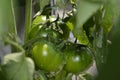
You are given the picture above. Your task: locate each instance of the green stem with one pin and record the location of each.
(28, 18)
(13, 19)
(15, 44)
(12, 23)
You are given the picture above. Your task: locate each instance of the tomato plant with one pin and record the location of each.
(61, 38)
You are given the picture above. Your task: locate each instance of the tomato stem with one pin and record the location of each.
(13, 19)
(28, 18)
(15, 44)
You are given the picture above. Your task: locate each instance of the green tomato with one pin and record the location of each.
(46, 56)
(78, 60)
(44, 32)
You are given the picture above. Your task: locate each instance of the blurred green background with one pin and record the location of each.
(111, 70)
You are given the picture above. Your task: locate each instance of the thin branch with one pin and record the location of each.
(15, 44)
(14, 18)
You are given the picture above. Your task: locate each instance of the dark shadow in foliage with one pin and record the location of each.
(111, 70)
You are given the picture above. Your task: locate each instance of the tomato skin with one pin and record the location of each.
(46, 33)
(47, 57)
(78, 61)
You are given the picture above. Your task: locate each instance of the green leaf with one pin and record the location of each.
(104, 20)
(89, 28)
(100, 48)
(38, 20)
(110, 70)
(99, 39)
(84, 11)
(70, 25)
(82, 38)
(18, 67)
(110, 12)
(65, 29)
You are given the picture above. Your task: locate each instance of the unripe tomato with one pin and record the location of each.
(46, 56)
(78, 60)
(44, 32)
